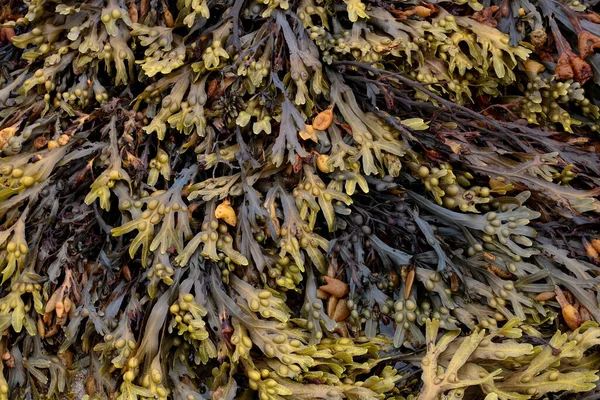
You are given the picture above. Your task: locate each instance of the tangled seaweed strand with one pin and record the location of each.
(316, 199)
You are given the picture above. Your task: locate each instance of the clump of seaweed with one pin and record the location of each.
(298, 200)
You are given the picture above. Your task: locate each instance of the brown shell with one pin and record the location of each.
(321, 294)
(323, 119)
(534, 66)
(341, 311)
(6, 34)
(335, 287)
(41, 328)
(571, 316)
(59, 308)
(68, 305)
(225, 212)
(332, 305)
(590, 250)
(422, 12)
(596, 244)
(545, 296)
(6, 134)
(168, 17)
(90, 385)
(133, 13)
(40, 142)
